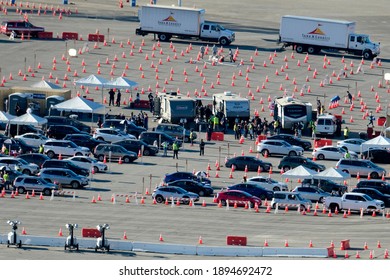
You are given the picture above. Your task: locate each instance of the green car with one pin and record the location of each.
(290, 162)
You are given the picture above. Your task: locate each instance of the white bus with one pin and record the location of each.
(290, 111)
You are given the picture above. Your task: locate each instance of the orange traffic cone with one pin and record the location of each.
(24, 231)
(124, 236)
(60, 232)
(161, 238)
(120, 160)
(311, 244)
(200, 241)
(286, 243)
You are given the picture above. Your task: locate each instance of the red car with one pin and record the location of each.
(239, 197)
(20, 27)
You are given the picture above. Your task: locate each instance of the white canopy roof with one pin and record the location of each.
(121, 82)
(92, 80)
(79, 104)
(299, 172)
(29, 119)
(5, 117)
(332, 174)
(45, 84)
(379, 141)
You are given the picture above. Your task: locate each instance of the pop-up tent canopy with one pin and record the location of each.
(121, 82)
(79, 104)
(45, 84)
(377, 142)
(5, 117)
(29, 119)
(299, 172)
(93, 81)
(332, 174)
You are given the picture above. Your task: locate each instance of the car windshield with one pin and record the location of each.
(72, 145)
(286, 144)
(367, 197)
(342, 150)
(180, 190)
(22, 161)
(42, 181)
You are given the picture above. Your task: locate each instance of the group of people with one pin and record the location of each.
(112, 100)
(254, 127)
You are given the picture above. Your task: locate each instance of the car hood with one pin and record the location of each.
(84, 149)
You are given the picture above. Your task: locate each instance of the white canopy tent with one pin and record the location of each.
(45, 84)
(93, 80)
(299, 172)
(6, 118)
(28, 119)
(79, 104)
(377, 142)
(122, 83)
(332, 174)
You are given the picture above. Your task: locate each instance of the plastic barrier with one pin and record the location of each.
(381, 121)
(217, 136)
(330, 252)
(345, 244)
(322, 142)
(142, 104)
(261, 137)
(96, 38)
(45, 35)
(70, 35)
(90, 232)
(236, 240)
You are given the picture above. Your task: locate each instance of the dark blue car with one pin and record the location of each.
(254, 190)
(184, 175)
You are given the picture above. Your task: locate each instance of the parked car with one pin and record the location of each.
(88, 163)
(278, 147)
(353, 201)
(111, 135)
(20, 165)
(55, 163)
(168, 193)
(123, 125)
(332, 153)
(312, 194)
(20, 27)
(290, 162)
(24, 147)
(64, 177)
(58, 120)
(374, 194)
(60, 131)
(25, 184)
(160, 137)
(361, 166)
(351, 144)
(268, 183)
(326, 185)
(36, 158)
(293, 140)
(54, 148)
(135, 145)
(377, 155)
(193, 186)
(250, 162)
(175, 130)
(237, 197)
(114, 152)
(185, 175)
(33, 139)
(253, 189)
(290, 199)
(382, 186)
(84, 140)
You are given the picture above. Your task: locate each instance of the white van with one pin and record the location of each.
(326, 124)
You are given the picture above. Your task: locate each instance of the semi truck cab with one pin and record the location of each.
(216, 32)
(363, 44)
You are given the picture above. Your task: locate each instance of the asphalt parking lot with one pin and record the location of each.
(256, 25)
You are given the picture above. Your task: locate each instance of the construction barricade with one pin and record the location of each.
(70, 36)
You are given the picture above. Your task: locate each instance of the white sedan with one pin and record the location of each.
(278, 147)
(331, 152)
(111, 135)
(33, 139)
(352, 144)
(88, 163)
(268, 183)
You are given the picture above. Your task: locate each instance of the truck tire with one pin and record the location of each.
(311, 50)
(299, 48)
(367, 54)
(224, 41)
(163, 37)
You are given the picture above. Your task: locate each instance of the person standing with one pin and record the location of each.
(231, 56)
(165, 148)
(6, 179)
(202, 50)
(112, 97)
(371, 119)
(350, 97)
(118, 98)
(41, 149)
(201, 147)
(346, 132)
(175, 148)
(192, 137)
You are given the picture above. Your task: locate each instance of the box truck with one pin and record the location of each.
(186, 23)
(312, 35)
(232, 106)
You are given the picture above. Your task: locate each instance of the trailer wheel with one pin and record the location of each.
(163, 37)
(299, 49)
(367, 54)
(311, 50)
(224, 41)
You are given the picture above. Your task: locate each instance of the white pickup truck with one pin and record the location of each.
(353, 202)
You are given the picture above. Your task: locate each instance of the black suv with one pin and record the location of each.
(56, 163)
(20, 27)
(326, 185)
(84, 140)
(291, 139)
(130, 127)
(135, 145)
(150, 136)
(290, 162)
(382, 186)
(60, 131)
(56, 120)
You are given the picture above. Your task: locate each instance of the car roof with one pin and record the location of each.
(56, 168)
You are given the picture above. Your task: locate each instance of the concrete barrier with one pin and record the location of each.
(164, 248)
